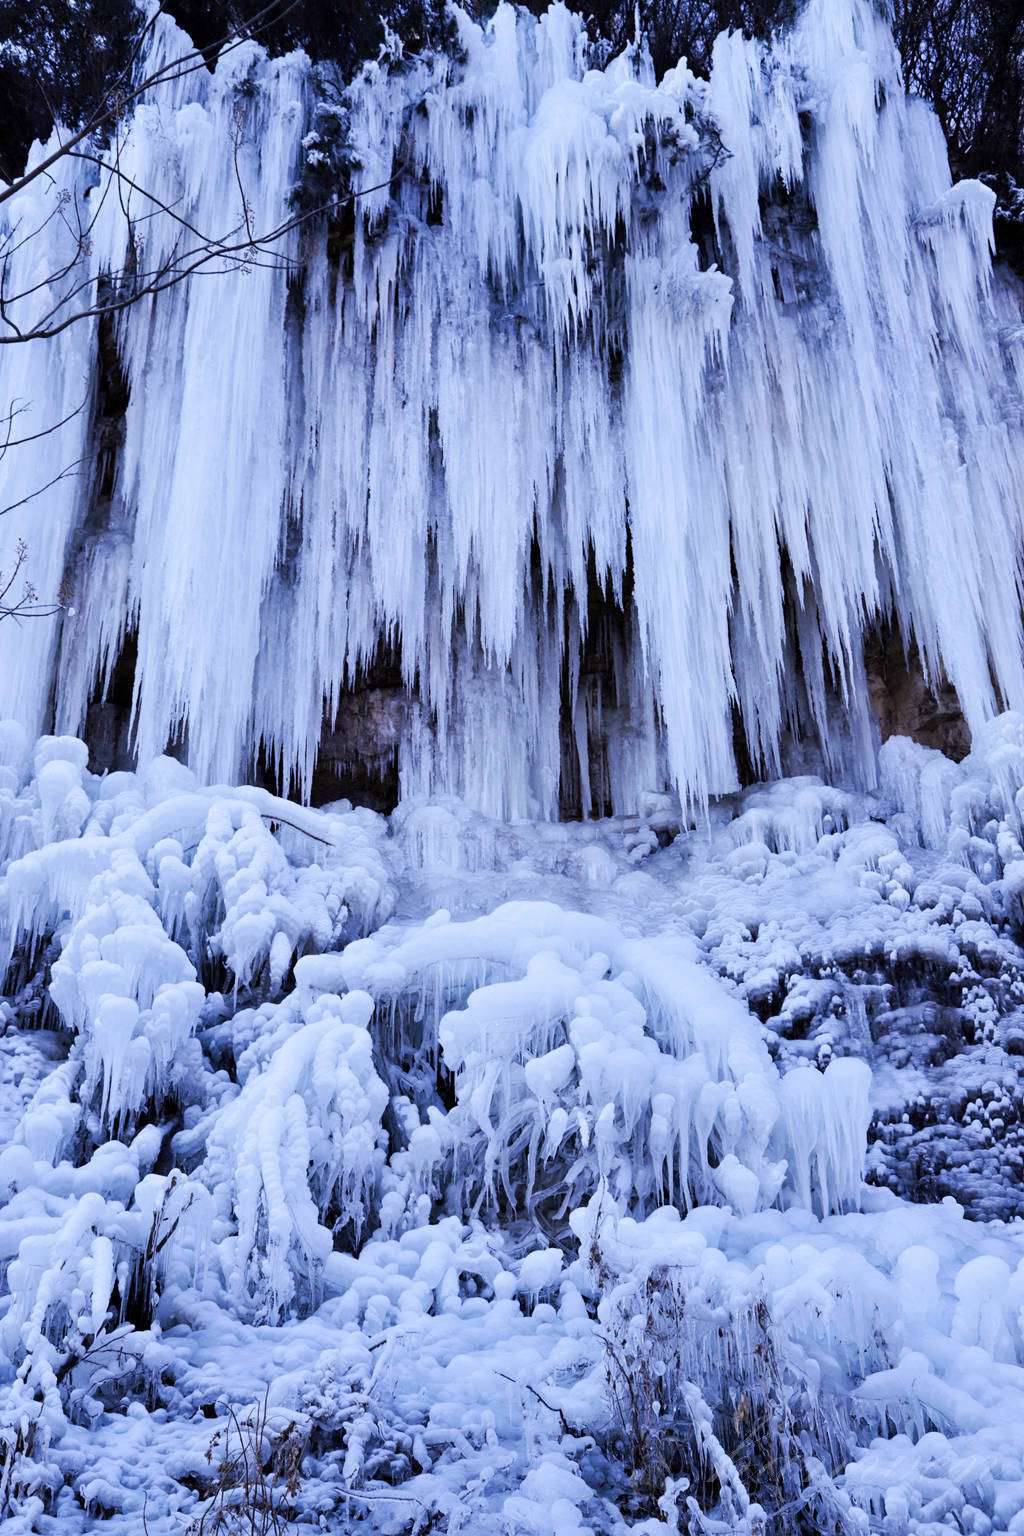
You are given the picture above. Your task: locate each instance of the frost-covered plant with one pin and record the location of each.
(82, 1293)
(598, 1061)
(301, 1145)
(328, 156)
(255, 1471)
(239, 897)
(712, 1406)
(145, 900)
(351, 1422)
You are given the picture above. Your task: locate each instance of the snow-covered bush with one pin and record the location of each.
(600, 1060)
(712, 1411)
(300, 1144)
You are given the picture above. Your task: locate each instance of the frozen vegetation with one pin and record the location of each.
(514, 1177)
(463, 1169)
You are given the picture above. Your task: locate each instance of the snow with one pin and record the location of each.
(425, 1183)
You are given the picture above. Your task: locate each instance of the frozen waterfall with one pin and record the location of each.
(704, 376)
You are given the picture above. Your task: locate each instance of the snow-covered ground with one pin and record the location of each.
(514, 1178)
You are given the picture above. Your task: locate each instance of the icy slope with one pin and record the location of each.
(508, 1177)
(719, 367)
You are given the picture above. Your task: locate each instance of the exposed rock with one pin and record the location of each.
(904, 704)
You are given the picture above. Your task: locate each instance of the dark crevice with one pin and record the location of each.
(108, 717)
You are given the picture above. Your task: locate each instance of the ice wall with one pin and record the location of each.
(724, 359)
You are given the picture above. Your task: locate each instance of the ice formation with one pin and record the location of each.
(291, 1151)
(460, 1168)
(711, 375)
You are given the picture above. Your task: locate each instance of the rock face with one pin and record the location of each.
(903, 702)
(357, 758)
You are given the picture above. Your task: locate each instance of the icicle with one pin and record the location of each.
(757, 445)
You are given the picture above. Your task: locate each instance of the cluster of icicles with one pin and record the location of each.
(725, 357)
